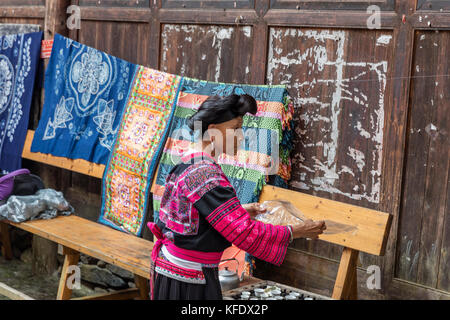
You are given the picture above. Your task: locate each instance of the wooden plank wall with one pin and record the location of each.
(372, 120)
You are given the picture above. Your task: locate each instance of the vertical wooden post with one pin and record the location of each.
(143, 285)
(345, 287)
(45, 251)
(71, 258)
(5, 241)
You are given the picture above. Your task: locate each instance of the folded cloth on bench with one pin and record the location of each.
(19, 58)
(131, 166)
(268, 138)
(45, 204)
(16, 28)
(85, 95)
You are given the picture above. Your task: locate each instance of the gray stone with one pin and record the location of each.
(100, 290)
(101, 276)
(27, 256)
(131, 284)
(125, 274)
(101, 264)
(88, 260)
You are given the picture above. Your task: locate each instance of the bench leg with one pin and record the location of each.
(71, 258)
(144, 287)
(346, 287)
(5, 241)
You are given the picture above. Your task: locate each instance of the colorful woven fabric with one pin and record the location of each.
(85, 95)
(132, 162)
(19, 59)
(268, 138)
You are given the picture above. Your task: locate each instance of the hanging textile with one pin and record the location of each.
(86, 91)
(131, 166)
(19, 59)
(265, 155)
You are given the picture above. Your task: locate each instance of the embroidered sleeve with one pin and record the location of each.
(218, 203)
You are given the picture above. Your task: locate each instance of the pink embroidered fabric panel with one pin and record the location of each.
(177, 210)
(264, 241)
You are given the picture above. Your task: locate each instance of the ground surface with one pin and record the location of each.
(19, 276)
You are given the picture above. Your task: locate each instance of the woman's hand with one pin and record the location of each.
(254, 209)
(308, 229)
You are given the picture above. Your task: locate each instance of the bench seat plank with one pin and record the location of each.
(371, 226)
(101, 242)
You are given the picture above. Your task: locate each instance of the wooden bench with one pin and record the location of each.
(78, 235)
(369, 231)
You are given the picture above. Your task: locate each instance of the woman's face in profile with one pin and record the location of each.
(228, 137)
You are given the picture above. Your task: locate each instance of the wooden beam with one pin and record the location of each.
(12, 294)
(144, 287)
(328, 18)
(5, 241)
(71, 258)
(346, 283)
(27, 12)
(126, 294)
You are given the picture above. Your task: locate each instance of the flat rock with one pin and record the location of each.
(125, 274)
(101, 276)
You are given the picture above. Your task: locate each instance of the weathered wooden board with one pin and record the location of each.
(24, 3)
(207, 52)
(331, 4)
(115, 3)
(121, 37)
(338, 81)
(222, 4)
(433, 5)
(425, 196)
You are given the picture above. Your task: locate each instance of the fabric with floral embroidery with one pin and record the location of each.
(19, 61)
(141, 135)
(86, 92)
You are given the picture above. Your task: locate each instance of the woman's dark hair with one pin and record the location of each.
(217, 109)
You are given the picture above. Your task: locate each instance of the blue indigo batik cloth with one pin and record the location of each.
(86, 91)
(13, 28)
(19, 59)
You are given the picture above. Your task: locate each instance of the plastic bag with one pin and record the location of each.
(45, 204)
(283, 212)
(280, 213)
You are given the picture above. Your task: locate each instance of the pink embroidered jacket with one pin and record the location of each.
(200, 216)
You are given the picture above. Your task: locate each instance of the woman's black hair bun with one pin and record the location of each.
(245, 104)
(215, 108)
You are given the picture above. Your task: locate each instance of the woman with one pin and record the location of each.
(200, 215)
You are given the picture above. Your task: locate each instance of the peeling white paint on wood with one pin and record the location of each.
(322, 54)
(383, 40)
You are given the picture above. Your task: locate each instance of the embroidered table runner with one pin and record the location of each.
(85, 94)
(19, 59)
(268, 138)
(131, 166)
